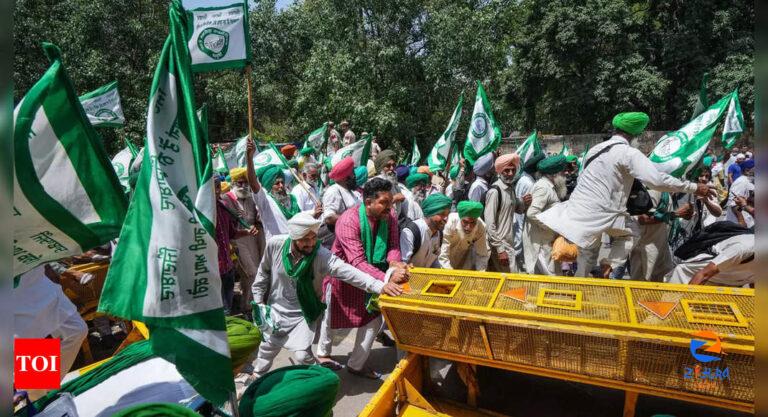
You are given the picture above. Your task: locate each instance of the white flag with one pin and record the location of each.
(359, 151)
(102, 106)
(219, 37)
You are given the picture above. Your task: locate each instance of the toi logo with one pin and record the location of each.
(709, 337)
(37, 363)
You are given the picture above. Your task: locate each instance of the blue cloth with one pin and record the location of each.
(734, 170)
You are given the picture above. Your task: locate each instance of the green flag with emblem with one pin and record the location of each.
(165, 270)
(317, 138)
(679, 151)
(103, 106)
(438, 157)
(359, 151)
(565, 150)
(269, 156)
(220, 163)
(121, 162)
(67, 198)
(415, 154)
(484, 134)
(218, 37)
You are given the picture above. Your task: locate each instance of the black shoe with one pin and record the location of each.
(385, 340)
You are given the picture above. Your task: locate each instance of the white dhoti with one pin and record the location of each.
(651, 258)
(279, 332)
(364, 338)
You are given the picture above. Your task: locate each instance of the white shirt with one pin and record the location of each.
(337, 199)
(598, 203)
(741, 188)
(426, 256)
(523, 187)
(734, 258)
(272, 217)
(39, 305)
(303, 198)
(477, 190)
(409, 206)
(464, 251)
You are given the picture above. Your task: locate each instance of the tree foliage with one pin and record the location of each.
(396, 67)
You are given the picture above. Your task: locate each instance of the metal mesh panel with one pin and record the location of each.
(597, 303)
(677, 319)
(438, 332)
(581, 354)
(475, 292)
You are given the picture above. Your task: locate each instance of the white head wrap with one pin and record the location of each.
(483, 165)
(740, 156)
(301, 224)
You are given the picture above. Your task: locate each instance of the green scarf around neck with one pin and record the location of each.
(288, 212)
(311, 306)
(375, 250)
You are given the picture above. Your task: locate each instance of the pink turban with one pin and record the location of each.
(505, 161)
(343, 169)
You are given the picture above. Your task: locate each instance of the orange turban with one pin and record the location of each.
(506, 161)
(288, 151)
(424, 169)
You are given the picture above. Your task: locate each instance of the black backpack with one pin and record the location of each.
(703, 241)
(639, 201)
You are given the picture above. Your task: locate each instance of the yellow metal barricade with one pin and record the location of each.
(630, 335)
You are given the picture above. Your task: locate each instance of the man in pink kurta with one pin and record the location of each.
(348, 305)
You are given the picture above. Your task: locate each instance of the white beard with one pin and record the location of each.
(242, 193)
(560, 188)
(283, 198)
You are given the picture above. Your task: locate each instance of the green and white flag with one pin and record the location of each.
(103, 106)
(484, 134)
(530, 148)
(317, 138)
(701, 102)
(202, 115)
(455, 158)
(581, 159)
(438, 157)
(165, 269)
(359, 151)
(218, 37)
(122, 164)
(269, 156)
(67, 198)
(415, 154)
(220, 163)
(235, 154)
(565, 150)
(678, 152)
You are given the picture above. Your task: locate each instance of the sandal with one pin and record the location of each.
(366, 373)
(330, 364)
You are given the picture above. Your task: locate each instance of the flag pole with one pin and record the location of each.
(248, 71)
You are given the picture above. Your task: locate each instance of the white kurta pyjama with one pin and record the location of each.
(538, 238)
(460, 250)
(734, 258)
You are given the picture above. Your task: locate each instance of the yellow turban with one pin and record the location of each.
(237, 174)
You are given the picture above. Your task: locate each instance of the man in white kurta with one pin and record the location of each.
(741, 187)
(307, 195)
(651, 256)
(425, 251)
(281, 313)
(523, 187)
(733, 264)
(598, 203)
(465, 245)
(40, 309)
(537, 237)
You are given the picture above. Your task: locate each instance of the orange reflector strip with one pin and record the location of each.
(516, 293)
(660, 309)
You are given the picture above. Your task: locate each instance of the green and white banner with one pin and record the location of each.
(678, 152)
(455, 158)
(220, 163)
(438, 157)
(317, 138)
(415, 154)
(530, 148)
(359, 151)
(565, 150)
(165, 269)
(67, 198)
(484, 134)
(122, 164)
(218, 37)
(269, 156)
(103, 106)
(235, 154)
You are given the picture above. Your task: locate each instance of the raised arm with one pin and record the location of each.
(253, 181)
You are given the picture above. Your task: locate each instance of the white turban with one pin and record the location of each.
(483, 165)
(301, 224)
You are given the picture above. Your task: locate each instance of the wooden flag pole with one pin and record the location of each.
(248, 71)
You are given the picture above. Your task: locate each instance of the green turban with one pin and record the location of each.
(156, 410)
(435, 203)
(454, 173)
(293, 163)
(292, 391)
(571, 159)
(707, 161)
(307, 150)
(361, 175)
(468, 208)
(268, 175)
(416, 179)
(552, 164)
(244, 338)
(631, 122)
(413, 169)
(382, 158)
